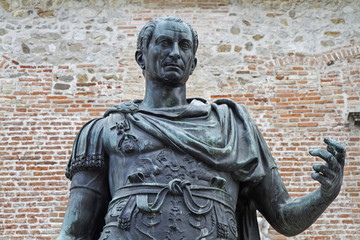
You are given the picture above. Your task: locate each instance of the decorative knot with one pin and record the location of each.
(176, 186)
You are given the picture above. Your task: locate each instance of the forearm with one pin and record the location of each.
(302, 212)
(291, 217)
(296, 215)
(286, 215)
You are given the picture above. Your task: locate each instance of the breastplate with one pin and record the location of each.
(162, 193)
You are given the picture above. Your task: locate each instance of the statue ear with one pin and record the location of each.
(139, 59)
(193, 65)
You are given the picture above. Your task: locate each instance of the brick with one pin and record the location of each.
(298, 68)
(291, 116)
(56, 97)
(307, 124)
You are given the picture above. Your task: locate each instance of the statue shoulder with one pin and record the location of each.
(240, 109)
(87, 151)
(124, 107)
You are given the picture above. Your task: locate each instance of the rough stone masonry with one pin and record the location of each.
(294, 64)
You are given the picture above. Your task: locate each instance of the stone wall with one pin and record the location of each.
(295, 64)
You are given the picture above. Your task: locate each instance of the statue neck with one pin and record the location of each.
(158, 95)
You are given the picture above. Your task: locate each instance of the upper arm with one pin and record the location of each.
(87, 205)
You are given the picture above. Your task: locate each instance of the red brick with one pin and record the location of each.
(308, 124)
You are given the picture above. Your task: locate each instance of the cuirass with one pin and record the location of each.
(160, 192)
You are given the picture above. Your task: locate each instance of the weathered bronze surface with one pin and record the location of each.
(168, 167)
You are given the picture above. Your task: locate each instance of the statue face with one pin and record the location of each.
(170, 58)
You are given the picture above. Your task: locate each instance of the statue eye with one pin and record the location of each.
(164, 43)
(185, 45)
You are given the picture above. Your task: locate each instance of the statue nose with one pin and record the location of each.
(175, 51)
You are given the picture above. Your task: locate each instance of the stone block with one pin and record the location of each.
(332, 34)
(284, 21)
(249, 46)
(2, 31)
(247, 23)
(45, 14)
(327, 43)
(77, 47)
(88, 13)
(108, 77)
(273, 15)
(25, 48)
(66, 78)
(237, 48)
(82, 78)
(337, 20)
(224, 48)
(292, 13)
(98, 37)
(5, 5)
(315, 6)
(61, 86)
(258, 37)
(235, 30)
(299, 39)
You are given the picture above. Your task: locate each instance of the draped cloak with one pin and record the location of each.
(237, 147)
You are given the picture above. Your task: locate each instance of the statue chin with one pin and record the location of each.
(173, 79)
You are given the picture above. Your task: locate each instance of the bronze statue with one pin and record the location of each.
(168, 167)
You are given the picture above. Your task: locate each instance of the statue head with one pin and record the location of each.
(166, 51)
(147, 31)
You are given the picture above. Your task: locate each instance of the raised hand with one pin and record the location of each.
(331, 174)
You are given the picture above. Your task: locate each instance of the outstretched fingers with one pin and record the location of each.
(324, 170)
(330, 174)
(336, 149)
(323, 180)
(326, 156)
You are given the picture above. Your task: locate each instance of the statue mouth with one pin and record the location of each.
(172, 65)
(173, 68)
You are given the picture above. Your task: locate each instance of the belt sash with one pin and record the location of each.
(175, 187)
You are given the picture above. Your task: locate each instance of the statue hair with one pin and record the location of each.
(148, 30)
